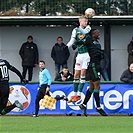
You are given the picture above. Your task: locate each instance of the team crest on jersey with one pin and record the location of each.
(81, 36)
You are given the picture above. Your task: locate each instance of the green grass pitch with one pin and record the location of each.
(66, 124)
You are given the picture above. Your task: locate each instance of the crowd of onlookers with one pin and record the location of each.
(60, 55)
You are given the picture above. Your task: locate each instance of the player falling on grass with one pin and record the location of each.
(4, 87)
(45, 81)
(79, 35)
(96, 55)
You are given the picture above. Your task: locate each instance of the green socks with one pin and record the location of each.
(75, 85)
(82, 83)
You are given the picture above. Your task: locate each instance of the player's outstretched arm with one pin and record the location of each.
(86, 30)
(13, 69)
(72, 40)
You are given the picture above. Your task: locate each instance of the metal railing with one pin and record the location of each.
(64, 7)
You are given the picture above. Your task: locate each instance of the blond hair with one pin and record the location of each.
(82, 17)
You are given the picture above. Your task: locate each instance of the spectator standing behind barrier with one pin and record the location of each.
(60, 54)
(29, 55)
(64, 75)
(130, 52)
(127, 75)
(104, 66)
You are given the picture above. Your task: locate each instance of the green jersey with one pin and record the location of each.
(81, 39)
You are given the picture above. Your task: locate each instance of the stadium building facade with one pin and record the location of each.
(116, 33)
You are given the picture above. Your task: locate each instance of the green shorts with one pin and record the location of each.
(94, 71)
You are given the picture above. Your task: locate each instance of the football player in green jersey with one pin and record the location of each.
(79, 35)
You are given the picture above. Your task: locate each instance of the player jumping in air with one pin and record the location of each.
(96, 55)
(79, 35)
(4, 87)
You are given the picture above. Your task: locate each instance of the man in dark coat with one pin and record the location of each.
(60, 54)
(130, 52)
(29, 55)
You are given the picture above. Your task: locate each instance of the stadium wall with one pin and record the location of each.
(11, 39)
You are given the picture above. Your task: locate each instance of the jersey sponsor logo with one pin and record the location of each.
(81, 36)
(95, 42)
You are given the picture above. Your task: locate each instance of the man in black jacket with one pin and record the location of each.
(64, 75)
(127, 75)
(60, 54)
(130, 52)
(4, 87)
(29, 55)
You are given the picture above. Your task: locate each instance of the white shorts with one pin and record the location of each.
(82, 61)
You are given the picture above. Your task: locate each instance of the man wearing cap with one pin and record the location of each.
(130, 52)
(29, 55)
